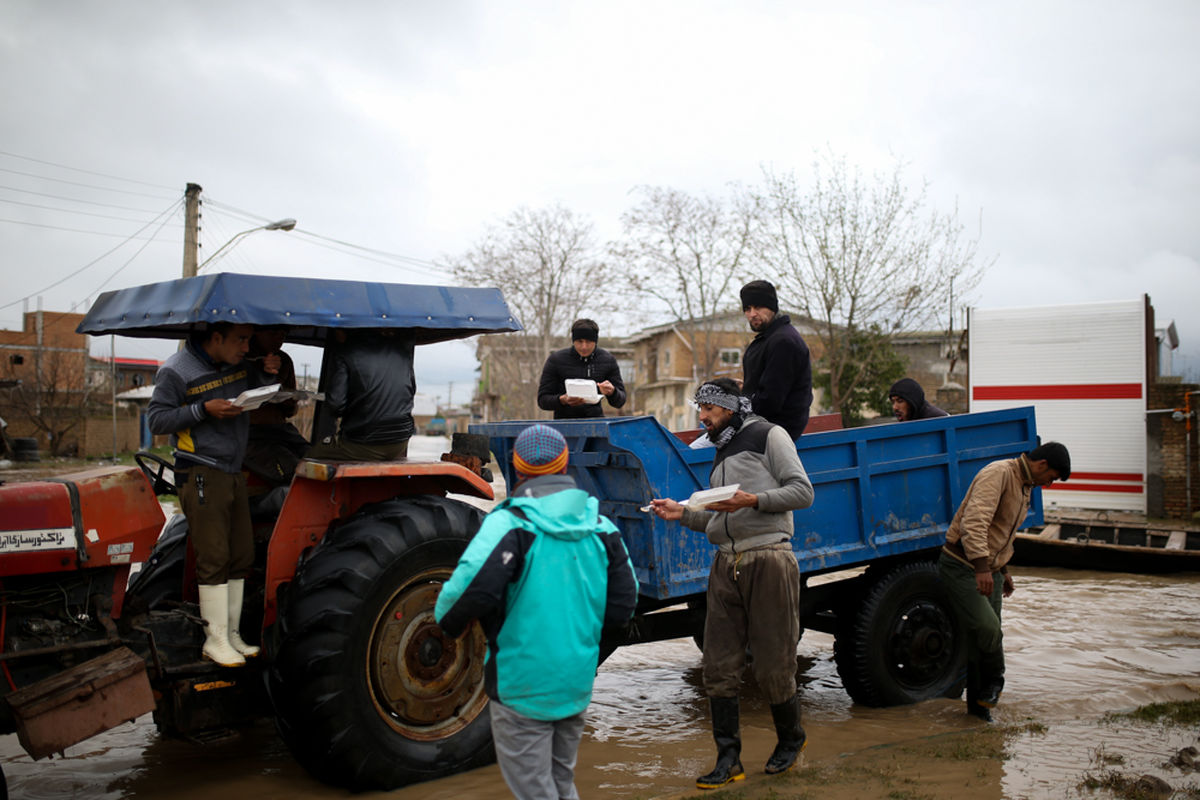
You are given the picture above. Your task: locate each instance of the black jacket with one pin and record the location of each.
(777, 376)
(372, 388)
(566, 364)
(911, 392)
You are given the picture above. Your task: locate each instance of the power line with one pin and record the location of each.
(170, 209)
(75, 230)
(395, 256)
(69, 210)
(85, 171)
(165, 217)
(75, 200)
(392, 259)
(389, 263)
(84, 185)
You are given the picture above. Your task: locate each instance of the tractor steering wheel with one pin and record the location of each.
(161, 485)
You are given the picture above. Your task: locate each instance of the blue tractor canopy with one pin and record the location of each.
(310, 308)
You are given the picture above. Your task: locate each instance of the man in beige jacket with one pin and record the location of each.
(974, 560)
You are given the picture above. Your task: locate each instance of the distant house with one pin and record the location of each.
(131, 373)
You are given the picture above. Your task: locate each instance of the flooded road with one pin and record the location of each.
(1079, 644)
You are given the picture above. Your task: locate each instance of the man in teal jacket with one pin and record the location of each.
(544, 574)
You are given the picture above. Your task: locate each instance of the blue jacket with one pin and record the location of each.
(544, 574)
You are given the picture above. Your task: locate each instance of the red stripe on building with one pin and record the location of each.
(1072, 486)
(1054, 391)
(1107, 476)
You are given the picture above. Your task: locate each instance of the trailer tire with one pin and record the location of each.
(369, 693)
(902, 643)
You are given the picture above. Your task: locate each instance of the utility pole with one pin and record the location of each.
(191, 229)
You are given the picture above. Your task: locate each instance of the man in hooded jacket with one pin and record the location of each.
(544, 574)
(909, 403)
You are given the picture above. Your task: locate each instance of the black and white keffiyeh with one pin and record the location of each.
(713, 395)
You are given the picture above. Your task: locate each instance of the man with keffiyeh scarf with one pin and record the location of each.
(754, 584)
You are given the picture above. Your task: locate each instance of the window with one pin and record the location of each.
(731, 356)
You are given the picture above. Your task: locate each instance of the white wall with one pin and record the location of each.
(1083, 369)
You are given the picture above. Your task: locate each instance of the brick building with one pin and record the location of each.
(1173, 450)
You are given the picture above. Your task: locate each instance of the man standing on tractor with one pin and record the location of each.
(192, 401)
(371, 390)
(544, 574)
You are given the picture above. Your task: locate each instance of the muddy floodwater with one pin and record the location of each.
(1079, 644)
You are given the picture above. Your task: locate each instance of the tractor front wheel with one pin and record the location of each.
(369, 693)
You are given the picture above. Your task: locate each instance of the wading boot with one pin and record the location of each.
(237, 588)
(973, 707)
(989, 693)
(791, 736)
(729, 744)
(214, 608)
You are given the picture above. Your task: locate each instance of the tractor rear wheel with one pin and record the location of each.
(369, 693)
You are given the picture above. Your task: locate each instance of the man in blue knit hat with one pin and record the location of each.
(544, 574)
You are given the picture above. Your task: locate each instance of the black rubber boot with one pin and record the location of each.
(973, 706)
(991, 679)
(791, 736)
(989, 692)
(729, 744)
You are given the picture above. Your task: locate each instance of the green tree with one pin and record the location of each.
(877, 367)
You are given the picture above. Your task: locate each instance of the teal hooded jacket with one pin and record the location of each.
(543, 576)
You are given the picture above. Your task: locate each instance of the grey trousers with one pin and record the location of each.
(537, 758)
(753, 602)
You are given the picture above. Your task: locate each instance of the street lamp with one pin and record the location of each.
(278, 225)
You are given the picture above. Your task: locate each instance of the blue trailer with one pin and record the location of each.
(885, 496)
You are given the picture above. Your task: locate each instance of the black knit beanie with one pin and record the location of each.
(761, 294)
(585, 329)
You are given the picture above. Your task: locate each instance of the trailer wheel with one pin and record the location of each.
(368, 691)
(901, 643)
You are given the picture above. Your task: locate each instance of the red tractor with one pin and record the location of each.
(366, 690)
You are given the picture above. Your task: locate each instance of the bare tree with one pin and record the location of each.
(688, 253)
(58, 400)
(860, 256)
(546, 264)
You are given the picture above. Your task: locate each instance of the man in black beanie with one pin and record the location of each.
(582, 360)
(776, 370)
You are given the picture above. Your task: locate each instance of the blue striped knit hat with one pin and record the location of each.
(540, 450)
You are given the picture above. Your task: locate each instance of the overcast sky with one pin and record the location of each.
(1068, 134)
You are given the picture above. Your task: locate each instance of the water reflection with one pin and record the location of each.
(1079, 644)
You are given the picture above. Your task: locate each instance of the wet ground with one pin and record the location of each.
(1079, 644)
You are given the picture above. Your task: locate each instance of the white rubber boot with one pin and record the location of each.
(237, 587)
(214, 608)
